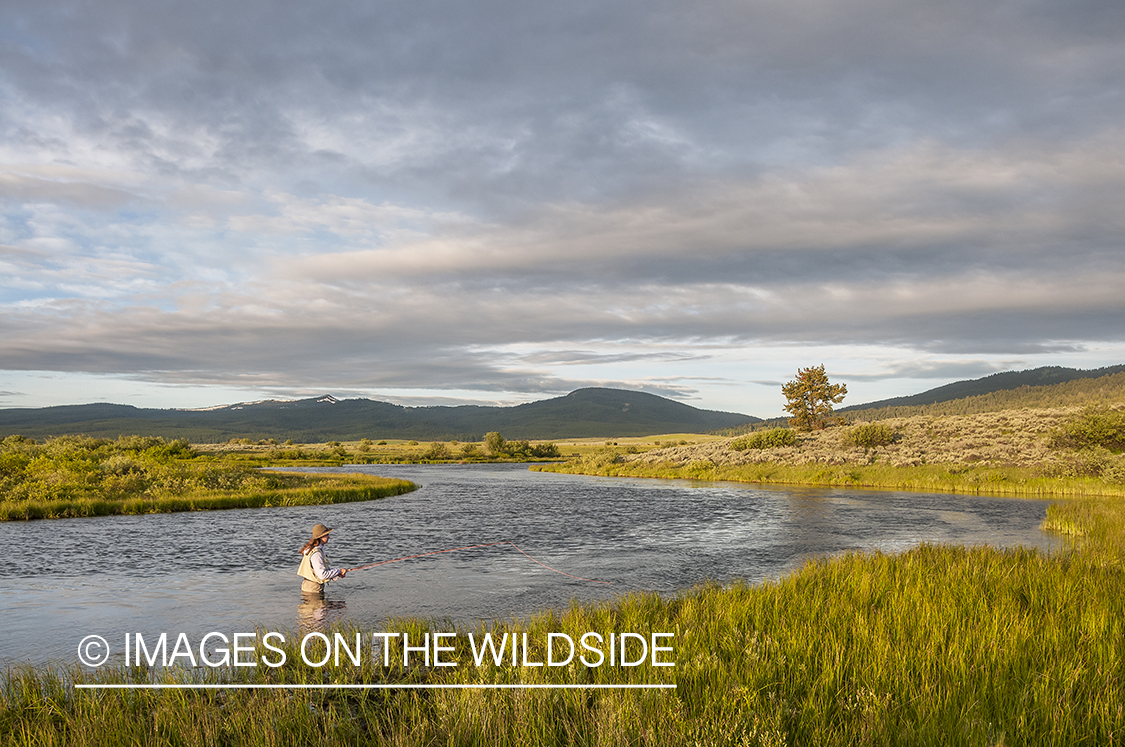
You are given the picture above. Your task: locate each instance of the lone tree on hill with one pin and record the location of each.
(811, 398)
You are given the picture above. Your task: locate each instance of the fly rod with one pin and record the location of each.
(470, 547)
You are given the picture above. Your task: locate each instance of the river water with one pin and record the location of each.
(233, 571)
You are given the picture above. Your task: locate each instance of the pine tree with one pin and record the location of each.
(810, 398)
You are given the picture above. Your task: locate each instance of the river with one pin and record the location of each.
(230, 571)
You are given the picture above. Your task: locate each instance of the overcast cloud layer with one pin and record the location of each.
(500, 201)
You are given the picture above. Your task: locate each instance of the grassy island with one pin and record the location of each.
(79, 476)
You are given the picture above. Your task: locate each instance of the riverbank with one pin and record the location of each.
(938, 645)
(938, 478)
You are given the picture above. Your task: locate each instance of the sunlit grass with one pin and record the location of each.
(1012, 481)
(938, 645)
(296, 490)
(406, 451)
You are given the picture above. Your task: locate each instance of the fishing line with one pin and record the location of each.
(470, 547)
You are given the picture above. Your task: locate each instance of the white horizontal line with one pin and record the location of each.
(239, 686)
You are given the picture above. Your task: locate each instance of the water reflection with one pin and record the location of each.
(315, 613)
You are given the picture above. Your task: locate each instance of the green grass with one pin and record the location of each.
(992, 480)
(282, 490)
(76, 476)
(938, 645)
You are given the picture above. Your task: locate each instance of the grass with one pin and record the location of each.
(74, 476)
(944, 478)
(280, 490)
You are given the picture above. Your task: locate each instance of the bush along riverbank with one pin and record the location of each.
(78, 476)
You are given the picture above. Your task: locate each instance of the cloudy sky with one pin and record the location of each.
(497, 201)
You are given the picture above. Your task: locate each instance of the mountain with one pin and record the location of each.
(999, 382)
(585, 413)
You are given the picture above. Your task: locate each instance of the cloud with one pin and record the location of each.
(29, 189)
(586, 357)
(938, 369)
(399, 196)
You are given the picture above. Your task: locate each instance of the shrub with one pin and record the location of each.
(770, 439)
(495, 443)
(1086, 463)
(545, 451)
(603, 457)
(1091, 428)
(437, 450)
(869, 435)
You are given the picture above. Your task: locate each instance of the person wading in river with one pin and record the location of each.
(314, 567)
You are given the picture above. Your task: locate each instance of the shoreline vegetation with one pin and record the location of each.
(938, 645)
(75, 476)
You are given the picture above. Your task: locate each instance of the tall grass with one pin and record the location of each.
(950, 478)
(74, 476)
(295, 490)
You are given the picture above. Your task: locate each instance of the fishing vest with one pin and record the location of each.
(305, 570)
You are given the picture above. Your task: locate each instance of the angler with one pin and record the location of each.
(314, 568)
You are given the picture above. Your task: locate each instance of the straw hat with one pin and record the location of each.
(319, 531)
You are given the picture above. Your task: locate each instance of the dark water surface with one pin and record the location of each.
(230, 571)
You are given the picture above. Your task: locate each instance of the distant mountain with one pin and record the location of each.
(1005, 381)
(585, 413)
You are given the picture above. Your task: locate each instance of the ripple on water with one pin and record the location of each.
(233, 570)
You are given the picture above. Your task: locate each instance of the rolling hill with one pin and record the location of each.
(999, 382)
(584, 413)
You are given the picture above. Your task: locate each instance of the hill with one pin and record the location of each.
(999, 382)
(1004, 391)
(585, 413)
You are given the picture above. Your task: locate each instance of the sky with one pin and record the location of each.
(496, 202)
